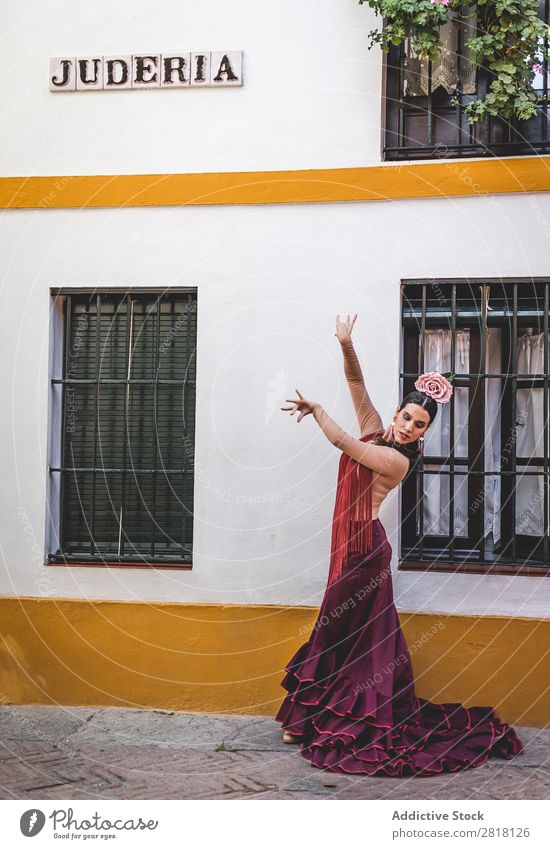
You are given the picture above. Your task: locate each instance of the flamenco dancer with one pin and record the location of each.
(351, 702)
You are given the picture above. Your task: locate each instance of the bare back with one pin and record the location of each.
(382, 485)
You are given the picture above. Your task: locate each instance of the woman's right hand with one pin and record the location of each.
(344, 328)
(304, 407)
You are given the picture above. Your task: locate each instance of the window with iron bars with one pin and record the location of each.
(123, 427)
(420, 120)
(478, 499)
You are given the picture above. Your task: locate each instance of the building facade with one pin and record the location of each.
(173, 262)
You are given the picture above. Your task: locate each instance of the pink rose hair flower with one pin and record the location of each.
(435, 385)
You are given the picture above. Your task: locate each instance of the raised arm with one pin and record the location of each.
(368, 416)
(379, 458)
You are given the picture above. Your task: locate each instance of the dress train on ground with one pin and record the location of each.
(351, 695)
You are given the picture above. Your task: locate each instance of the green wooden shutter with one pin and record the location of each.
(128, 427)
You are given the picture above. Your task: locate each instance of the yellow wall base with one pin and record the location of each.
(230, 658)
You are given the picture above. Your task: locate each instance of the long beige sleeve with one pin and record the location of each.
(367, 415)
(379, 458)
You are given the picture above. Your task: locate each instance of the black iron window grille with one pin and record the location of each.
(124, 397)
(478, 499)
(421, 121)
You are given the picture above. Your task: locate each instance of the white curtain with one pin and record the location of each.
(493, 412)
(444, 68)
(528, 435)
(437, 357)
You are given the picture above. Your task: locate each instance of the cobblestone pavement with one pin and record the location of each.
(118, 753)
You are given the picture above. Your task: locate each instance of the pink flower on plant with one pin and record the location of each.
(538, 68)
(440, 2)
(435, 385)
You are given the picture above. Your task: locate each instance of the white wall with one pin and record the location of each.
(270, 281)
(311, 96)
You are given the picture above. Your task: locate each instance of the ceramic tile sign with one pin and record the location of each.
(147, 70)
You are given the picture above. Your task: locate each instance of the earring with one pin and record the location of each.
(392, 433)
(421, 441)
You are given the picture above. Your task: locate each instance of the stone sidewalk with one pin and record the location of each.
(118, 753)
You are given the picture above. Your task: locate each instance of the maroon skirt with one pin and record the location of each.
(351, 695)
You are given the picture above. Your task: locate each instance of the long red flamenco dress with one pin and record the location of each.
(351, 695)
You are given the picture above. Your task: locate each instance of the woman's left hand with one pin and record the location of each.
(344, 328)
(305, 407)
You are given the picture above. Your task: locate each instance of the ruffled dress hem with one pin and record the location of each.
(350, 729)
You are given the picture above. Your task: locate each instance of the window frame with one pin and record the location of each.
(446, 556)
(58, 381)
(489, 137)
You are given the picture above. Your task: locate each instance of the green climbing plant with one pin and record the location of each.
(510, 44)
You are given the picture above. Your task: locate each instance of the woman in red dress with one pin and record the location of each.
(351, 702)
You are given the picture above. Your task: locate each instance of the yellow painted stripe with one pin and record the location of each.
(230, 658)
(392, 181)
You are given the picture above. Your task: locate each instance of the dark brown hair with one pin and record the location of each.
(412, 451)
